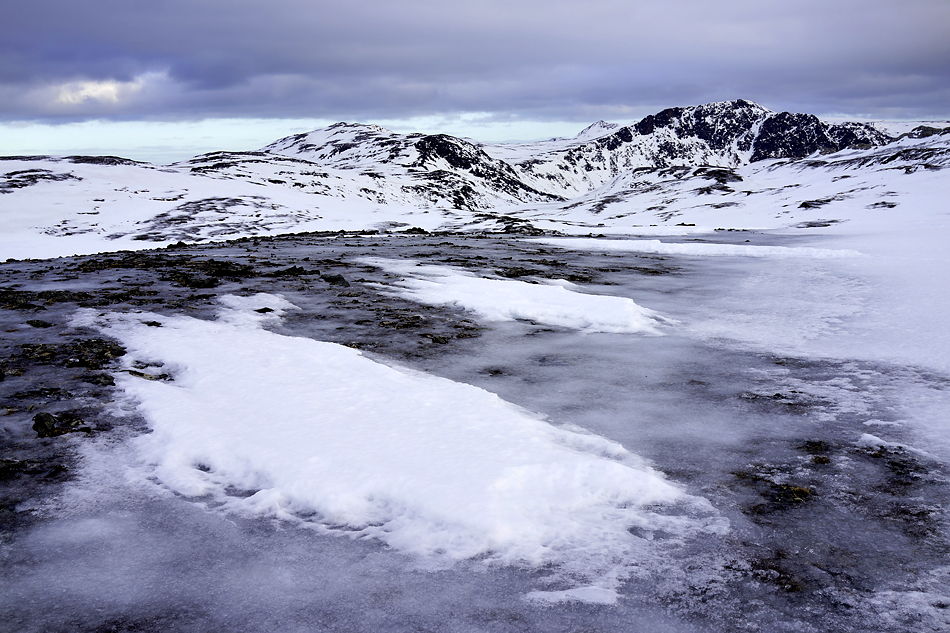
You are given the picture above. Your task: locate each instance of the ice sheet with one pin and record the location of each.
(316, 432)
(695, 249)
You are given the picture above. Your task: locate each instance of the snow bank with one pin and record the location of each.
(694, 249)
(310, 431)
(552, 303)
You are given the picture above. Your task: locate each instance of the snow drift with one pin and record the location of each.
(316, 432)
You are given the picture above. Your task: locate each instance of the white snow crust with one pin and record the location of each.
(695, 249)
(316, 432)
(554, 303)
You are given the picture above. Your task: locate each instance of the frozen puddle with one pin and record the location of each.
(554, 302)
(316, 433)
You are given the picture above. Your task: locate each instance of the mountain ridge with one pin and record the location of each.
(728, 134)
(733, 164)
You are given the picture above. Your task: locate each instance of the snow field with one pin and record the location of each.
(442, 470)
(695, 249)
(553, 303)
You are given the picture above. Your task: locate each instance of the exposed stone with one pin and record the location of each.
(335, 280)
(49, 425)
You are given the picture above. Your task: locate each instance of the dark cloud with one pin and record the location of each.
(64, 60)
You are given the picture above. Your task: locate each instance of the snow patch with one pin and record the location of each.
(313, 432)
(594, 595)
(695, 249)
(555, 303)
(872, 441)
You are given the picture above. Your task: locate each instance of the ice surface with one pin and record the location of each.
(759, 395)
(317, 432)
(695, 249)
(554, 303)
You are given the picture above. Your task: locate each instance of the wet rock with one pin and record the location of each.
(39, 323)
(62, 296)
(40, 353)
(818, 449)
(49, 425)
(43, 393)
(776, 570)
(903, 469)
(403, 322)
(784, 496)
(226, 269)
(652, 271)
(777, 496)
(142, 374)
(23, 305)
(578, 278)
(102, 380)
(335, 280)
(518, 271)
(195, 283)
(139, 261)
(15, 468)
(293, 271)
(132, 296)
(93, 353)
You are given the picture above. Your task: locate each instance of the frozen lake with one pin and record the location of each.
(789, 397)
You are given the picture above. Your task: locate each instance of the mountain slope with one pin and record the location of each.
(732, 164)
(443, 171)
(726, 134)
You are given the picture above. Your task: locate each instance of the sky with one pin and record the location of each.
(167, 79)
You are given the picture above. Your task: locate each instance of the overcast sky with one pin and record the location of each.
(180, 74)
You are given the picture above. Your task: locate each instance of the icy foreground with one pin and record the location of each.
(316, 432)
(790, 393)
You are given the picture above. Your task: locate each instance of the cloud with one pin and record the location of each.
(61, 60)
(104, 92)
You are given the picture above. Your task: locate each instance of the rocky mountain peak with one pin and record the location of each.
(596, 130)
(726, 134)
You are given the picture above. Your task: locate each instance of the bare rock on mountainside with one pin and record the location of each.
(352, 176)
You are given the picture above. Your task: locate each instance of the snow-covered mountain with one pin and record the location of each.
(721, 163)
(441, 170)
(728, 134)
